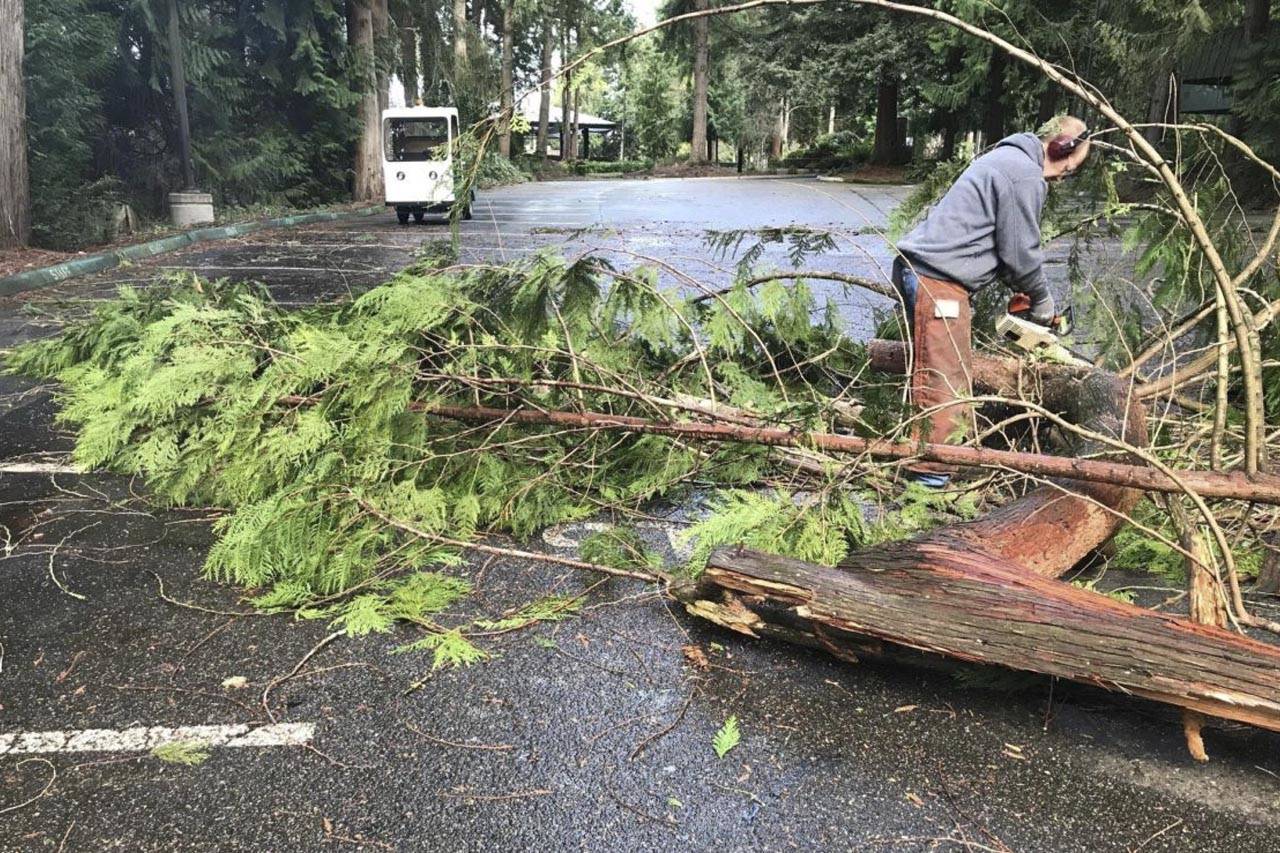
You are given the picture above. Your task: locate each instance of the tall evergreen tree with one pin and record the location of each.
(15, 189)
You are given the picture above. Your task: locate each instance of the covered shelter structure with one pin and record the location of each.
(587, 126)
(1205, 74)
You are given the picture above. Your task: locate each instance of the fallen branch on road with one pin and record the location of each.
(1260, 488)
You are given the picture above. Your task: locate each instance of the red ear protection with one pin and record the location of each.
(1061, 146)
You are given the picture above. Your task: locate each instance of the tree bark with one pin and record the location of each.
(178, 81)
(573, 131)
(698, 142)
(1047, 104)
(993, 114)
(459, 38)
(831, 119)
(950, 598)
(1257, 16)
(775, 138)
(381, 59)
(409, 73)
(1164, 103)
(15, 179)
(1269, 573)
(544, 86)
(885, 148)
(950, 130)
(367, 182)
(507, 95)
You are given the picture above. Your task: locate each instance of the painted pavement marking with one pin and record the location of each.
(39, 468)
(143, 739)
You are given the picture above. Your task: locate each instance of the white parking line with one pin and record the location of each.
(39, 468)
(144, 739)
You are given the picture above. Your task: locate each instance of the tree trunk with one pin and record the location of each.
(1257, 17)
(1164, 102)
(367, 182)
(409, 74)
(831, 119)
(459, 38)
(993, 115)
(1047, 104)
(573, 128)
(15, 180)
(428, 20)
(698, 142)
(954, 599)
(477, 15)
(775, 138)
(1269, 573)
(507, 95)
(565, 116)
(885, 148)
(178, 81)
(544, 86)
(950, 130)
(381, 43)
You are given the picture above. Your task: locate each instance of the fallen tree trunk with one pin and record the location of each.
(946, 597)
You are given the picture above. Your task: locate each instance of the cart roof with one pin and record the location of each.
(420, 112)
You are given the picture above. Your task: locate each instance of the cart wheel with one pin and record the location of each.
(402, 216)
(466, 211)
(418, 216)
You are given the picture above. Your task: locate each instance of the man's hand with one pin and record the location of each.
(1040, 311)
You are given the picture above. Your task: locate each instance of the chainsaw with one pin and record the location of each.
(1017, 327)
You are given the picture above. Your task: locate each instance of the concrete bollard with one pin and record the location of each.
(190, 208)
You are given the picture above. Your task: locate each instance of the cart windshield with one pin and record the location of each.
(407, 139)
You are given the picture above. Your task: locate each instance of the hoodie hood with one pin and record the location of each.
(1027, 143)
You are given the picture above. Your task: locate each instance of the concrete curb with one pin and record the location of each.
(46, 276)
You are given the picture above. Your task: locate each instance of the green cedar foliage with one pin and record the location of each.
(300, 422)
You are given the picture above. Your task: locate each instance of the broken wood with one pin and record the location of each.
(950, 598)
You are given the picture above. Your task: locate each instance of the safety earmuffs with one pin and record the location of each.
(1062, 145)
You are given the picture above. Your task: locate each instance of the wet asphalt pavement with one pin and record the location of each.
(592, 733)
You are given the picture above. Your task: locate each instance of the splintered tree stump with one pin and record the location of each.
(1269, 573)
(1054, 526)
(947, 597)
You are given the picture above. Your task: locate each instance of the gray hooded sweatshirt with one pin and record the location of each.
(987, 226)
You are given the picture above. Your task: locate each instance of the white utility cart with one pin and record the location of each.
(418, 152)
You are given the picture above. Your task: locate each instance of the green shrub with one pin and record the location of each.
(611, 167)
(831, 152)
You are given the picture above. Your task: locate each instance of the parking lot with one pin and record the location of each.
(592, 733)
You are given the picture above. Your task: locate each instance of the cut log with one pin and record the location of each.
(949, 598)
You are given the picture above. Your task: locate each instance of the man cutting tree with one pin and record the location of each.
(986, 227)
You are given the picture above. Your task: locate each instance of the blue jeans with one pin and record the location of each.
(904, 279)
